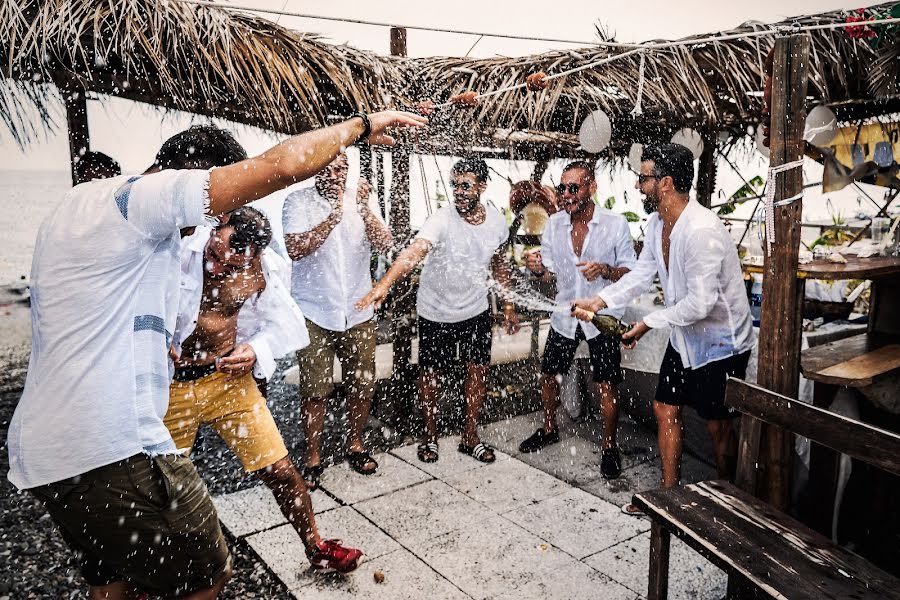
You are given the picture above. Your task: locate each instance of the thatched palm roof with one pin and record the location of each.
(227, 63)
(200, 59)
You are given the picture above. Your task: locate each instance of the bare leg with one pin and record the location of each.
(358, 409)
(428, 385)
(724, 442)
(475, 390)
(550, 400)
(211, 593)
(313, 423)
(609, 412)
(293, 499)
(118, 590)
(668, 423)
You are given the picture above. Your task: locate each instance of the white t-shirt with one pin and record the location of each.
(104, 298)
(326, 283)
(453, 286)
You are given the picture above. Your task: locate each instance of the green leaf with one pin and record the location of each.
(727, 209)
(609, 203)
(631, 217)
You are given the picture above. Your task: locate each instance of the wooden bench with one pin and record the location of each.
(766, 553)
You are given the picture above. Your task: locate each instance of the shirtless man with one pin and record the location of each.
(236, 317)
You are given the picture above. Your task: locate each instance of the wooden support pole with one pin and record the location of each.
(77, 121)
(378, 167)
(658, 576)
(781, 321)
(706, 170)
(398, 41)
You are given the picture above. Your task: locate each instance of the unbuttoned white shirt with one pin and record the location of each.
(706, 301)
(271, 322)
(608, 241)
(326, 283)
(104, 300)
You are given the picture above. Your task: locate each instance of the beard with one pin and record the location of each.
(651, 203)
(464, 206)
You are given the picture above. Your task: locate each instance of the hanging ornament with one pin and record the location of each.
(634, 157)
(690, 139)
(821, 126)
(638, 110)
(595, 132)
(760, 144)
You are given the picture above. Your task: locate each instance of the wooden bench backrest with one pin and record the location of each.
(872, 445)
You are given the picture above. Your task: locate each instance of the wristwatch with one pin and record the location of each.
(367, 125)
(541, 274)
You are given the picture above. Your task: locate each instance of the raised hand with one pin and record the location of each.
(381, 121)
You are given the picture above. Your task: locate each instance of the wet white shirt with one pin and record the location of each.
(271, 322)
(454, 282)
(326, 283)
(608, 241)
(104, 298)
(706, 301)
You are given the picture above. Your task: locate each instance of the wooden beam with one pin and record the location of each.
(398, 41)
(77, 122)
(781, 320)
(706, 170)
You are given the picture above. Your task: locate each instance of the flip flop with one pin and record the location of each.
(428, 452)
(480, 452)
(359, 460)
(311, 476)
(632, 510)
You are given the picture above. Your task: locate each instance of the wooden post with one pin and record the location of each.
(77, 121)
(658, 576)
(378, 167)
(398, 41)
(365, 162)
(706, 171)
(780, 330)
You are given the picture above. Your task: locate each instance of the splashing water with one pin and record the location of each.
(525, 296)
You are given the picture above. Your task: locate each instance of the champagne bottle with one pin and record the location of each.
(610, 325)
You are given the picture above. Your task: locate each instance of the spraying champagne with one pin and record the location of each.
(608, 325)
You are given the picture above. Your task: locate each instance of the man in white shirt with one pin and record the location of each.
(706, 306)
(329, 232)
(464, 242)
(87, 437)
(236, 317)
(584, 248)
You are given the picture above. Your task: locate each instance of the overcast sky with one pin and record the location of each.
(132, 132)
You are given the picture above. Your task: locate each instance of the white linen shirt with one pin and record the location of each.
(104, 297)
(608, 241)
(271, 322)
(706, 301)
(326, 283)
(453, 285)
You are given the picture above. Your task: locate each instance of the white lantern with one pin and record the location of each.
(760, 147)
(690, 139)
(595, 132)
(634, 157)
(821, 126)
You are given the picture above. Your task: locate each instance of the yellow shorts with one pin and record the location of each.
(234, 409)
(354, 348)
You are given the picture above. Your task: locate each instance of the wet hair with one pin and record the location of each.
(96, 165)
(251, 229)
(672, 160)
(581, 164)
(476, 166)
(200, 147)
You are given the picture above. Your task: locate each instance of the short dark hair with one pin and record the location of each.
(251, 228)
(200, 147)
(672, 160)
(580, 164)
(476, 166)
(92, 164)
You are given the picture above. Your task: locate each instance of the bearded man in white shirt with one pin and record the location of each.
(464, 242)
(584, 248)
(706, 307)
(329, 232)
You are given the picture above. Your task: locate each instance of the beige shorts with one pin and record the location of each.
(234, 409)
(354, 348)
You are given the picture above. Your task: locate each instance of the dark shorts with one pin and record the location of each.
(146, 521)
(606, 358)
(702, 388)
(443, 344)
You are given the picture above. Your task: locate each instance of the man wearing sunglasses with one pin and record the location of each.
(464, 242)
(584, 248)
(706, 307)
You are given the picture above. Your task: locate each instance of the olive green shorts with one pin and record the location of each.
(354, 349)
(147, 521)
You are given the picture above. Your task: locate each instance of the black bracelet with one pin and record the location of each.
(541, 274)
(367, 126)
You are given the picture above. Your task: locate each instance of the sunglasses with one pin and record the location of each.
(464, 185)
(642, 179)
(572, 187)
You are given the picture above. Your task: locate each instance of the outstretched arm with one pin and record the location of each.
(379, 235)
(406, 261)
(503, 275)
(305, 243)
(295, 159)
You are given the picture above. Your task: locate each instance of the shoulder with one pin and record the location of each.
(612, 218)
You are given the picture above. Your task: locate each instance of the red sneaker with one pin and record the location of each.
(330, 556)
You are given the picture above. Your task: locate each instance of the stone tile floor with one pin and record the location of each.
(543, 525)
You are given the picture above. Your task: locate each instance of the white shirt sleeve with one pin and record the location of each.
(635, 282)
(295, 213)
(703, 256)
(160, 203)
(433, 228)
(625, 255)
(547, 244)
